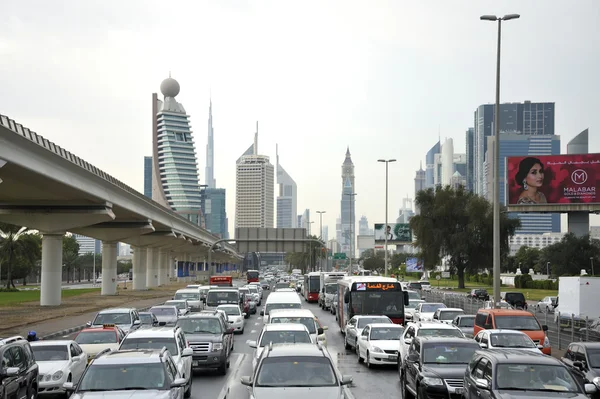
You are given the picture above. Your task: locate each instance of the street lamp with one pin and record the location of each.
(351, 195)
(592, 263)
(387, 161)
(321, 223)
(496, 157)
(309, 247)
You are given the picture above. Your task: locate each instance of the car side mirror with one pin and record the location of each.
(137, 322)
(319, 331)
(590, 388)
(540, 347)
(545, 327)
(12, 371)
(252, 344)
(262, 312)
(179, 382)
(187, 352)
(580, 365)
(89, 324)
(68, 386)
(246, 380)
(482, 383)
(483, 346)
(408, 341)
(346, 379)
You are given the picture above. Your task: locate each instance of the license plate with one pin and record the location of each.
(394, 357)
(459, 391)
(194, 363)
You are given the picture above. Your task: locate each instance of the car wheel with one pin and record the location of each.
(242, 331)
(346, 344)
(188, 391)
(222, 369)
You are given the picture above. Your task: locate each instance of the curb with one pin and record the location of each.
(77, 328)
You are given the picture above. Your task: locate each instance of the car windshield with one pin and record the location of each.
(363, 321)
(425, 283)
(386, 333)
(115, 377)
(177, 304)
(282, 285)
(500, 340)
(112, 318)
(230, 310)
(296, 371)
(284, 337)
(594, 357)
(200, 325)
(523, 323)
(271, 306)
(146, 318)
(330, 288)
(439, 332)
(415, 286)
(466, 322)
(216, 298)
(47, 353)
(150, 343)
(166, 311)
(431, 307)
(454, 353)
(193, 296)
(413, 295)
(450, 314)
(253, 290)
(309, 322)
(96, 337)
(535, 377)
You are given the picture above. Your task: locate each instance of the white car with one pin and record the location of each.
(446, 315)
(181, 304)
(59, 362)
(430, 329)
(378, 344)
(235, 316)
(501, 339)
(355, 325)
(255, 294)
(279, 333)
(302, 316)
(424, 311)
(173, 339)
(410, 307)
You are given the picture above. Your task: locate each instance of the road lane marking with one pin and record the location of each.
(252, 332)
(256, 324)
(232, 376)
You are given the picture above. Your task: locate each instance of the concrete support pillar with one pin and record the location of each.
(109, 268)
(152, 264)
(50, 291)
(163, 261)
(139, 268)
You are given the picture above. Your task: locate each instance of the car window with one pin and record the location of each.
(478, 370)
(18, 357)
(96, 337)
(7, 360)
(150, 343)
(208, 325)
(112, 318)
(296, 371)
(284, 337)
(525, 323)
(363, 321)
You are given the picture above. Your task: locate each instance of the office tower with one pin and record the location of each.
(175, 167)
(469, 158)
(527, 118)
(254, 195)
(209, 171)
(363, 226)
(347, 205)
(338, 230)
(287, 206)
(215, 212)
(419, 179)
(430, 165)
(299, 221)
(88, 245)
(305, 221)
(148, 177)
(325, 236)
(406, 212)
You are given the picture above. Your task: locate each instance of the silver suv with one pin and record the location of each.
(170, 337)
(143, 373)
(125, 318)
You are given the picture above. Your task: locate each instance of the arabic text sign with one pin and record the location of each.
(553, 179)
(375, 286)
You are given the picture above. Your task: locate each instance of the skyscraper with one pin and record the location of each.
(325, 236)
(469, 158)
(175, 181)
(254, 195)
(148, 177)
(419, 181)
(363, 226)
(287, 206)
(209, 172)
(430, 165)
(347, 205)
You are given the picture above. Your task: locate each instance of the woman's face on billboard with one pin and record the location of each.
(535, 177)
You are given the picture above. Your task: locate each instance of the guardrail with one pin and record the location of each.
(562, 329)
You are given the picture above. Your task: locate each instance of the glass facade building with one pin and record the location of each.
(148, 177)
(430, 165)
(214, 211)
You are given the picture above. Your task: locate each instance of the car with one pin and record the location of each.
(96, 339)
(547, 305)
(499, 339)
(135, 373)
(515, 299)
(515, 373)
(210, 339)
(446, 315)
(583, 359)
(480, 294)
(166, 315)
(279, 333)
(430, 329)
(148, 320)
(435, 367)
(424, 311)
(182, 305)
(235, 316)
(192, 296)
(297, 370)
(171, 338)
(409, 308)
(355, 325)
(255, 294)
(125, 318)
(425, 285)
(501, 305)
(378, 344)
(302, 316)
(20, 372)
(59, 361)
(466, 323)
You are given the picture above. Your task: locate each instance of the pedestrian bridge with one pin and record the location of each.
(47, 188)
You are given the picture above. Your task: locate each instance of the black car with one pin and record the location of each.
(19, 371)
(515, 299)
(583, 359)
(435, 366)
(480, 294)
(516, 374)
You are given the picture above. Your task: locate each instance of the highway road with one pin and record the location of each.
(368, 383)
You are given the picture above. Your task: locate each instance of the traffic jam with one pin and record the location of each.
(438, 351)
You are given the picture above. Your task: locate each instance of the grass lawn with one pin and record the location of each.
(530, 293)
(13, 298)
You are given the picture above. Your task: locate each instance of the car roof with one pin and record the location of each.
(375, 316)
(519, 356)
(504, 331)
(176, 300)
(386, 325)
(294, 312)
(186, 290)
(163, 307)
(284, 327)
(129, 356)
(507, 312)
(448, 340)
(594, 345)
(165, 332)
(434, 303)
(57, 342)
(297, 349)
(201, 315)
(433, 324)
(451, 310)
(116, 310)
(99, 328)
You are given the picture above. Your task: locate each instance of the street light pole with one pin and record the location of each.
(387, 161)
(94, 267)
(496, 157)
(321, 232)
(310, 248)
(351, 195)
(592, 262)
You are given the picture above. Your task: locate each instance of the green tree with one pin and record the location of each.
(18, 246)
(71, 258)
(307, 260)
(366, 254)
(528, 258)
(398, 259)
(570, 255)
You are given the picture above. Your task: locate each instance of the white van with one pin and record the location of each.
(301, 316)
(192, 295)
(280, 300)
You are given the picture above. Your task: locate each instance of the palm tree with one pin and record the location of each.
(16, 242)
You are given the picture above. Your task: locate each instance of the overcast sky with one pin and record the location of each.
(382, 77)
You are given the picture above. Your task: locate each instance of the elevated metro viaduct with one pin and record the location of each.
(46, 188)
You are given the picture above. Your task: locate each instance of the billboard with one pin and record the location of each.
(414, 265)
(553, 179)
(397, 233)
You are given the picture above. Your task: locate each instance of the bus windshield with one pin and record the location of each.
(314, 284)
(377, 302)
(252, 275)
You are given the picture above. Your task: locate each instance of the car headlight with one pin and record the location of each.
(431, 381)
(57, 376)
(218, 346)
(376, 349)
(546, 342)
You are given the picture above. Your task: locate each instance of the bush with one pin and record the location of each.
(522, 280)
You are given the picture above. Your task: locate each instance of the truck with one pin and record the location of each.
(578, 299)
(328, 288)
(221, 281)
